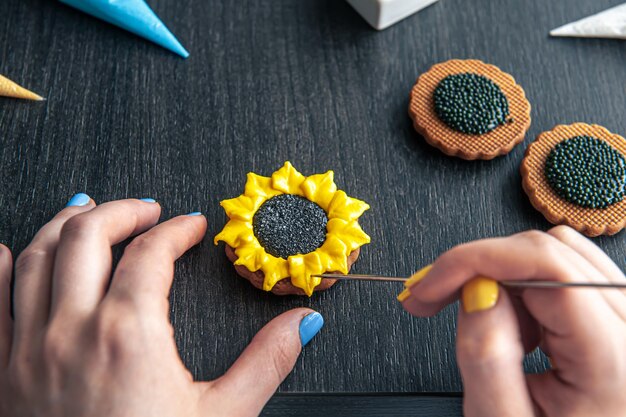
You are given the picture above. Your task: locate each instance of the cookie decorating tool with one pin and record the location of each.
(509, 284)
(9, 88)
(133, 15)
(610, 24)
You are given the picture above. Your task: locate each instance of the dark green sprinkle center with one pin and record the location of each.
(470, 103)
(587, 171)
(288, 225)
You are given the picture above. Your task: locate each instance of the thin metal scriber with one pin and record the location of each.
(511, 284)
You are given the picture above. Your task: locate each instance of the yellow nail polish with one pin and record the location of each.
(479, 294)
(418, 276)
(404, 295)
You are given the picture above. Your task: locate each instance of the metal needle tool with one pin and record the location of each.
(510, 284)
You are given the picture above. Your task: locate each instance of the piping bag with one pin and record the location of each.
(610, 23)
(9, 88)
(133, 15)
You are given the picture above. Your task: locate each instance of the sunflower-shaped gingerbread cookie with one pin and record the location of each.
(576, 175)
(469, 109)
(286, 228)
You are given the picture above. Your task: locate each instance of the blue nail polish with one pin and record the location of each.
(310, 326)
(80, 199)
(148, 200)
(195, 213)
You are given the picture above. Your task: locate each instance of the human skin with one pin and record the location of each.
(81, 347)
(90, 341)
(583, 331)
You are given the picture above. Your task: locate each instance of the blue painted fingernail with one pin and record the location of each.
(195, 213)
(80, 199)
(148, 200)
(310, 326)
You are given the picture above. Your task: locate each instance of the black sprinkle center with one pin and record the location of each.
(587, 171)
(470, 103)
(288, 225)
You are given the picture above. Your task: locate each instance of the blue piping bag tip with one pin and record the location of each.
(177, 48)
(133, 15)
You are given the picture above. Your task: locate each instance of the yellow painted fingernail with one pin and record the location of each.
(415, 278)
(418, 276)
(479, 294)
(404, 295)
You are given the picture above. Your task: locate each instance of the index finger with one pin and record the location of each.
(144, 274)
(530, 255)
(82, 262)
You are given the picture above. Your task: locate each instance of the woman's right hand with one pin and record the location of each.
(583, 331)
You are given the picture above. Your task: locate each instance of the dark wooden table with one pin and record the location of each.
(306, 81)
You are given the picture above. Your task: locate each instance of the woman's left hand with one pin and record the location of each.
(85, 344)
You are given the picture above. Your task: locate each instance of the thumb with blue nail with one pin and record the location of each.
(267, 361)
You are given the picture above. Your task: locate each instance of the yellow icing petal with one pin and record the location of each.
(235, 233)
(242, 207)
(297, 271)
(320, 188)
(312, 282)
(274, 270)
(251, 255)
(254, 258)
(288, 180)
(349, 232)
(301, 267)
(346, 208)
(330, 257)
(258, 186)
(333, 255)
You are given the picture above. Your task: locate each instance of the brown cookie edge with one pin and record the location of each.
(432, 139)
(553, 217)
(284, 286)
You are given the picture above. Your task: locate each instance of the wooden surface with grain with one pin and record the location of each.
(306, 81)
